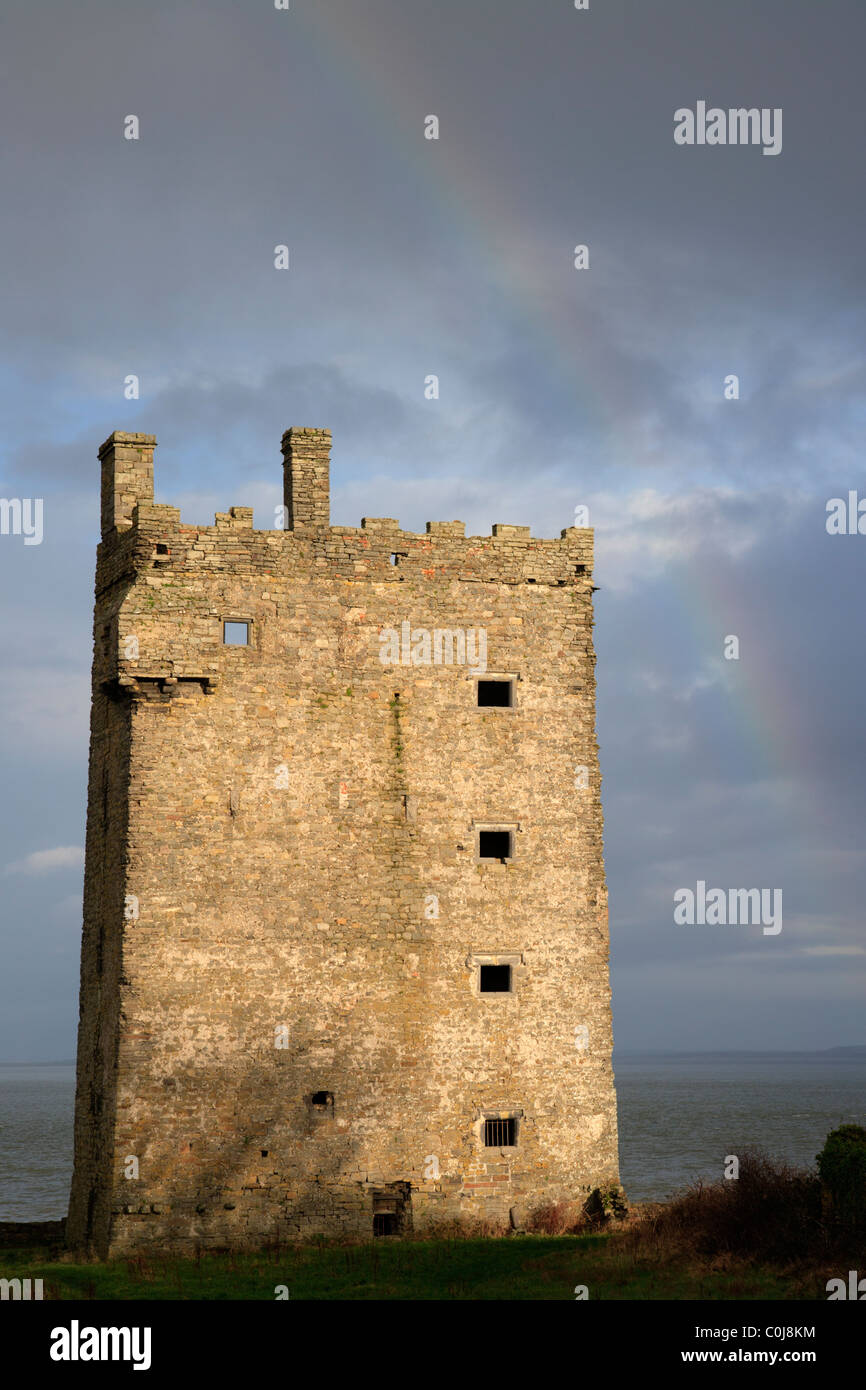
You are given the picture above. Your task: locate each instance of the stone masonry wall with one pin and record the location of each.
(283, 895)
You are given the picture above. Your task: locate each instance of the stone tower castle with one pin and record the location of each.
(345, 951)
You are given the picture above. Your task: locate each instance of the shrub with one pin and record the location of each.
(554, 1219)
(613, 1201)
(771, 1211)
(842, 1170)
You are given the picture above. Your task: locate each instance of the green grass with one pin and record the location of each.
(522, 1268)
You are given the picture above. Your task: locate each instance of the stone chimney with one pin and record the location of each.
(127, 477)
(306, 487)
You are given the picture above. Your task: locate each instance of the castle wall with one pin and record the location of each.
(308, 908)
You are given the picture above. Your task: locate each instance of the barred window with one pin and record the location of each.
(500, 1134)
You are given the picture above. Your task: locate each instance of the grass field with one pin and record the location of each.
(520, 1267)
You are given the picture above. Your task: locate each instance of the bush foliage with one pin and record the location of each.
(842, 1170)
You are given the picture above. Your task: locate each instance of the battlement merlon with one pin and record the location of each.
(127, 477)
(143, 534)
(306, 478)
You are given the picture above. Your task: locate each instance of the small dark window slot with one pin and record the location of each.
(322, 1100)
(494, 694)
(384, 1223)
(500, 1134)
(494, 979)
(494, 844)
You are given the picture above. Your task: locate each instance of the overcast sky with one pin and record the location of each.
(559, 387)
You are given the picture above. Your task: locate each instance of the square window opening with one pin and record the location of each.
(496, 694)
(495, 844)
(384, 1223)
(236, 634)
(500, 1134)
(494, 979)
